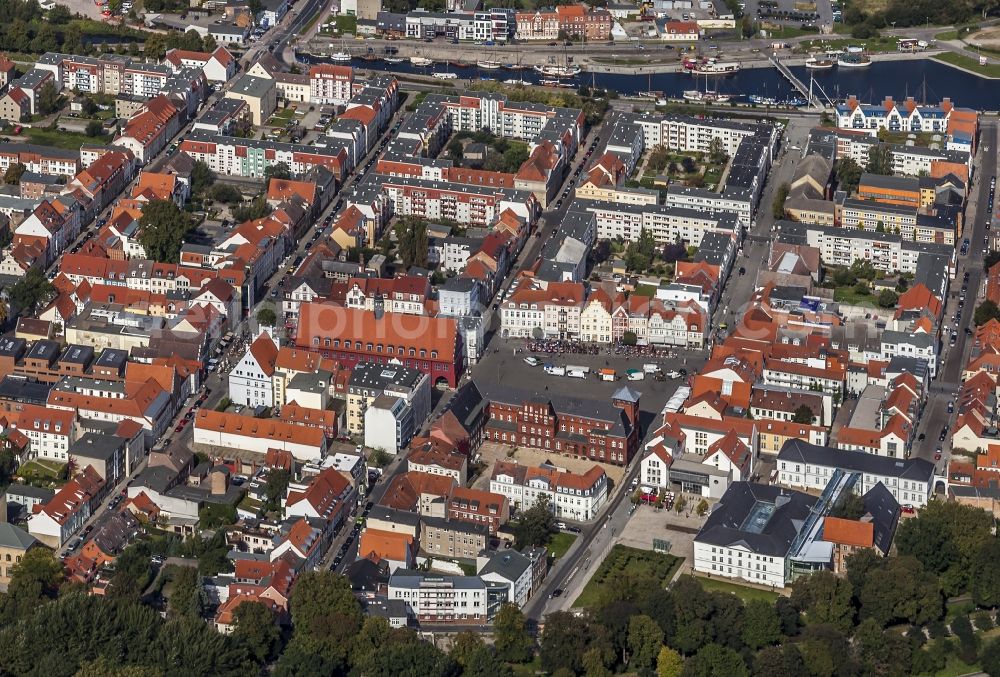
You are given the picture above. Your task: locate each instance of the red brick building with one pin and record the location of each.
(599, 431)
(349, 335)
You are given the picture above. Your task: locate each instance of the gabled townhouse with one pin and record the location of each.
(250, 381)
(478, 507)
(145, 403)
(218, 66)
(302, 541)
(147, 132)
(56, 520)
(51, 431)
(402, 294)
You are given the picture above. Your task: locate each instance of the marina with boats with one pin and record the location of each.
(753, 83)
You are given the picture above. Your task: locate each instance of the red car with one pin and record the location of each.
(937, 456)
(179, 428)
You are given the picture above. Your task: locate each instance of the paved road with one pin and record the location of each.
(945, 387)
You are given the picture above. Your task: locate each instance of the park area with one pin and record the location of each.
(627, 567)
(42, 472)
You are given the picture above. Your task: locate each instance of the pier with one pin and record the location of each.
(813, 99)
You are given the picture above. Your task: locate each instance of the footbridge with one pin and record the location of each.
(807, 92)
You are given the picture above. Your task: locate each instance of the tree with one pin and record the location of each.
(35, 578)
(658, 158)
(202, 177)
(412, 241)
(991, 259)
(644, 641)
(511, 640)
(968, 641)
(687, 163)
(94, 128)
(213, 515)
(985, 574)
(629, 338)
(31, 291)
(14, 172)
(185, 597)
(47, 100)
(945, 537)
(274, 490)
(879, 160)
(163, 227)
(639, 254)
(563, 642)
(779, 661)
(515, 156)
(803, 414)
(256, 630)
(267, 317)
(701, 508)
(986, 311)
(411, 658)
(256, 208)
(778, 206)
(887, 298)
(989, 657)
(224, 192)
(761, 625)
(59, 14)
(536, 524)
(669, 663)
(849, 507)
(824, 599)
(716, 153)
(279, 170)
(713, 660)
(680, 504)
(899, 589)
(848, 173)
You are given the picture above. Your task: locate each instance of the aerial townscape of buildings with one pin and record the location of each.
(316, 367)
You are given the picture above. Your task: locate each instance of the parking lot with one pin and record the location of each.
(511, 370)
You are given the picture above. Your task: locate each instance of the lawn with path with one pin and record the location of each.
(622, 563)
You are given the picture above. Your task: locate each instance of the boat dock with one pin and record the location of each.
(813, 99)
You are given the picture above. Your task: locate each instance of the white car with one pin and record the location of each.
(673, 374)
(532, 361)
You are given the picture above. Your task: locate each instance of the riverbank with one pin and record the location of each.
(755, 62)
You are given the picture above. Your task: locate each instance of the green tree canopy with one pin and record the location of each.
(645, 638)
(279, 170)
(256, 630)
(163, 229)
(848, 173)
(879, 160)
(803, 414)
(778, 206)
(13, 174)
(824, 599)
(945, 538)
(267, 317)
(201, 177)
(511, 640)
(986, 311)
(887, 298)
(536, 524)
(31, 292)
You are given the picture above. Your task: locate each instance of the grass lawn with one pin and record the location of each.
(346, 24)
(645, 290)
(631, 562)
(560, 543)
(744, 592)
(879, 44)
(60, 139)
(40, 471)
(790, 32)
(989, 70)
(956, 667)
(955, 33)
(712, 176)
(851, 297)
(282, 116)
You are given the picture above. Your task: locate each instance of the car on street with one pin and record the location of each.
(937, 454)
(556, 593)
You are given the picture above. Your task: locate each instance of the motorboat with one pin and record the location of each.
(341, 57)
(815, 64)
(516, 81)
(854, 60)
(393, 59)
(421, 61)
(488, 65)
(711, 66)
(446, 76)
